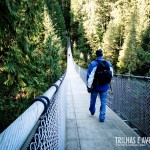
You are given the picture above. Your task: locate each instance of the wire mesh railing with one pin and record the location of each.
(81, 72)
(50, 135)
(129, 97)
(42, 125)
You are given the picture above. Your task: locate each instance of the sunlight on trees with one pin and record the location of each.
(33, 53)
(120, 27)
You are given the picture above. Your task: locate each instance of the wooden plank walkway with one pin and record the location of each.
(85, 132)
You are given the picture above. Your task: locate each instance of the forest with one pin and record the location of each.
(32, 53)
(33, 44)
(121, 28)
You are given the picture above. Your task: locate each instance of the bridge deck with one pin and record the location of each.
(85, 132)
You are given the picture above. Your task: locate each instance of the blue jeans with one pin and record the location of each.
(103, 100)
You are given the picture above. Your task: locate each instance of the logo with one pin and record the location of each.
(132, 141)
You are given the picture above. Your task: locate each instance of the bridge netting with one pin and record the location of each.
(50, 133)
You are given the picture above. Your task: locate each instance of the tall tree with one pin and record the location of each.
(143, 38)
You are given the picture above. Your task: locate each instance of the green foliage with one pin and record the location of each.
(94, 17)
(66, 12)
(58, 19)
(120, 27)
(112, 44)
(32, 55)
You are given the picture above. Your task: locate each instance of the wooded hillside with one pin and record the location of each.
(32, 52)
(120, 27)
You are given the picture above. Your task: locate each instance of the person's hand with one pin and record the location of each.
(89, 89)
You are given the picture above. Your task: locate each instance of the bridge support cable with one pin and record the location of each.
(15, 135)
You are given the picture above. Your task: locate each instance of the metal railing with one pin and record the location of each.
(51, 131)
(129, 98)
(81, 71)
(46, 115)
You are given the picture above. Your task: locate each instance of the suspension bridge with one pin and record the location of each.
(60, 119)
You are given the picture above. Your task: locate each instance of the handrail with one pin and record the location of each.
(14, 136)
(78, 68)
(132, 76)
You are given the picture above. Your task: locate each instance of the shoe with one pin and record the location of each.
(92, 114)
(101, 120)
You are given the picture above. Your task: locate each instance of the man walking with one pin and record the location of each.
(97, 84)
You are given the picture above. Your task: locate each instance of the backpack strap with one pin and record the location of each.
(97, 60)
(101, 61)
